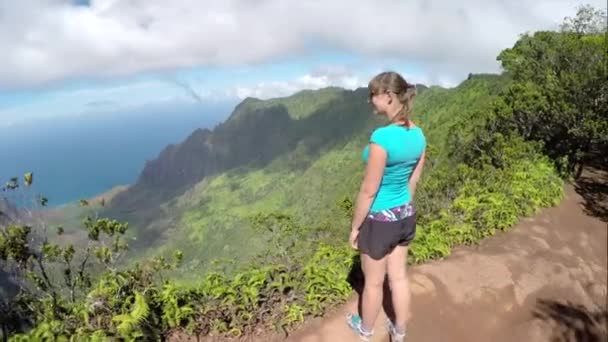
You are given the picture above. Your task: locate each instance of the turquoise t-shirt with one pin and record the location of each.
(403, 146)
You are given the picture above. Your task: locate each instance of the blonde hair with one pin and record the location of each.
(393, 82)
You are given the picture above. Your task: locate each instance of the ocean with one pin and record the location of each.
(80, 157)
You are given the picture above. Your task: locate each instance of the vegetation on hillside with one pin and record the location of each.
(492, 160)
(296, 182)
(560, 93)
(299, 105)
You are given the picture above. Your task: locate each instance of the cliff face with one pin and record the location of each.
(254, 138)
(256, 133)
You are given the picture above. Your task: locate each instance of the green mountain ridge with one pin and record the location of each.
(265, 158)
(299, 104)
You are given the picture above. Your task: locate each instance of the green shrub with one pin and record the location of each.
(491, 200)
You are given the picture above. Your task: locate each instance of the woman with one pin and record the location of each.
(384, 220)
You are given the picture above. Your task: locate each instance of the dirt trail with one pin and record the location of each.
(544, 280)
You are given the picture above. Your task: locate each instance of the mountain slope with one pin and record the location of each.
(255, 134)
(200, 196)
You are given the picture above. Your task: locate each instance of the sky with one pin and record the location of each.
(62, 58)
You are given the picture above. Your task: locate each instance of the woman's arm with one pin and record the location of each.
(369, 187)
(415, 177)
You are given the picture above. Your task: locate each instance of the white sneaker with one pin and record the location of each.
(354, 322)
(396, 336)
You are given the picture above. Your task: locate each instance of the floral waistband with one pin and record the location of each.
(393, 214)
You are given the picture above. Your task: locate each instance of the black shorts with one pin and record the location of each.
(379, 238)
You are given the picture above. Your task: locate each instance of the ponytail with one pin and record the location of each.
(406, 97)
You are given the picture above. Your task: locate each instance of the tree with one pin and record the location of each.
(51, 277)
(559, 94)
(588, 20)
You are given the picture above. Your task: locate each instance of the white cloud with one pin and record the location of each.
(47, 40)
(314, 80)
(325, 76)
(173, 92)
(98, 100)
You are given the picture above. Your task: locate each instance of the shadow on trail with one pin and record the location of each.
(571, 322)
(593, 187)
(356, 280)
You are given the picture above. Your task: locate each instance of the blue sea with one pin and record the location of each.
(80, 157)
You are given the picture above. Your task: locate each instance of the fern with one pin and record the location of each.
(174, 313)
(128, 323)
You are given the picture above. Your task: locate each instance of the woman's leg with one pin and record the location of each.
(374, 272)
(399, 283)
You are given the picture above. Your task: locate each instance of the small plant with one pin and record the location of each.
(64, 290)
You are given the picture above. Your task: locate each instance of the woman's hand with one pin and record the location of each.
(354, 235)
